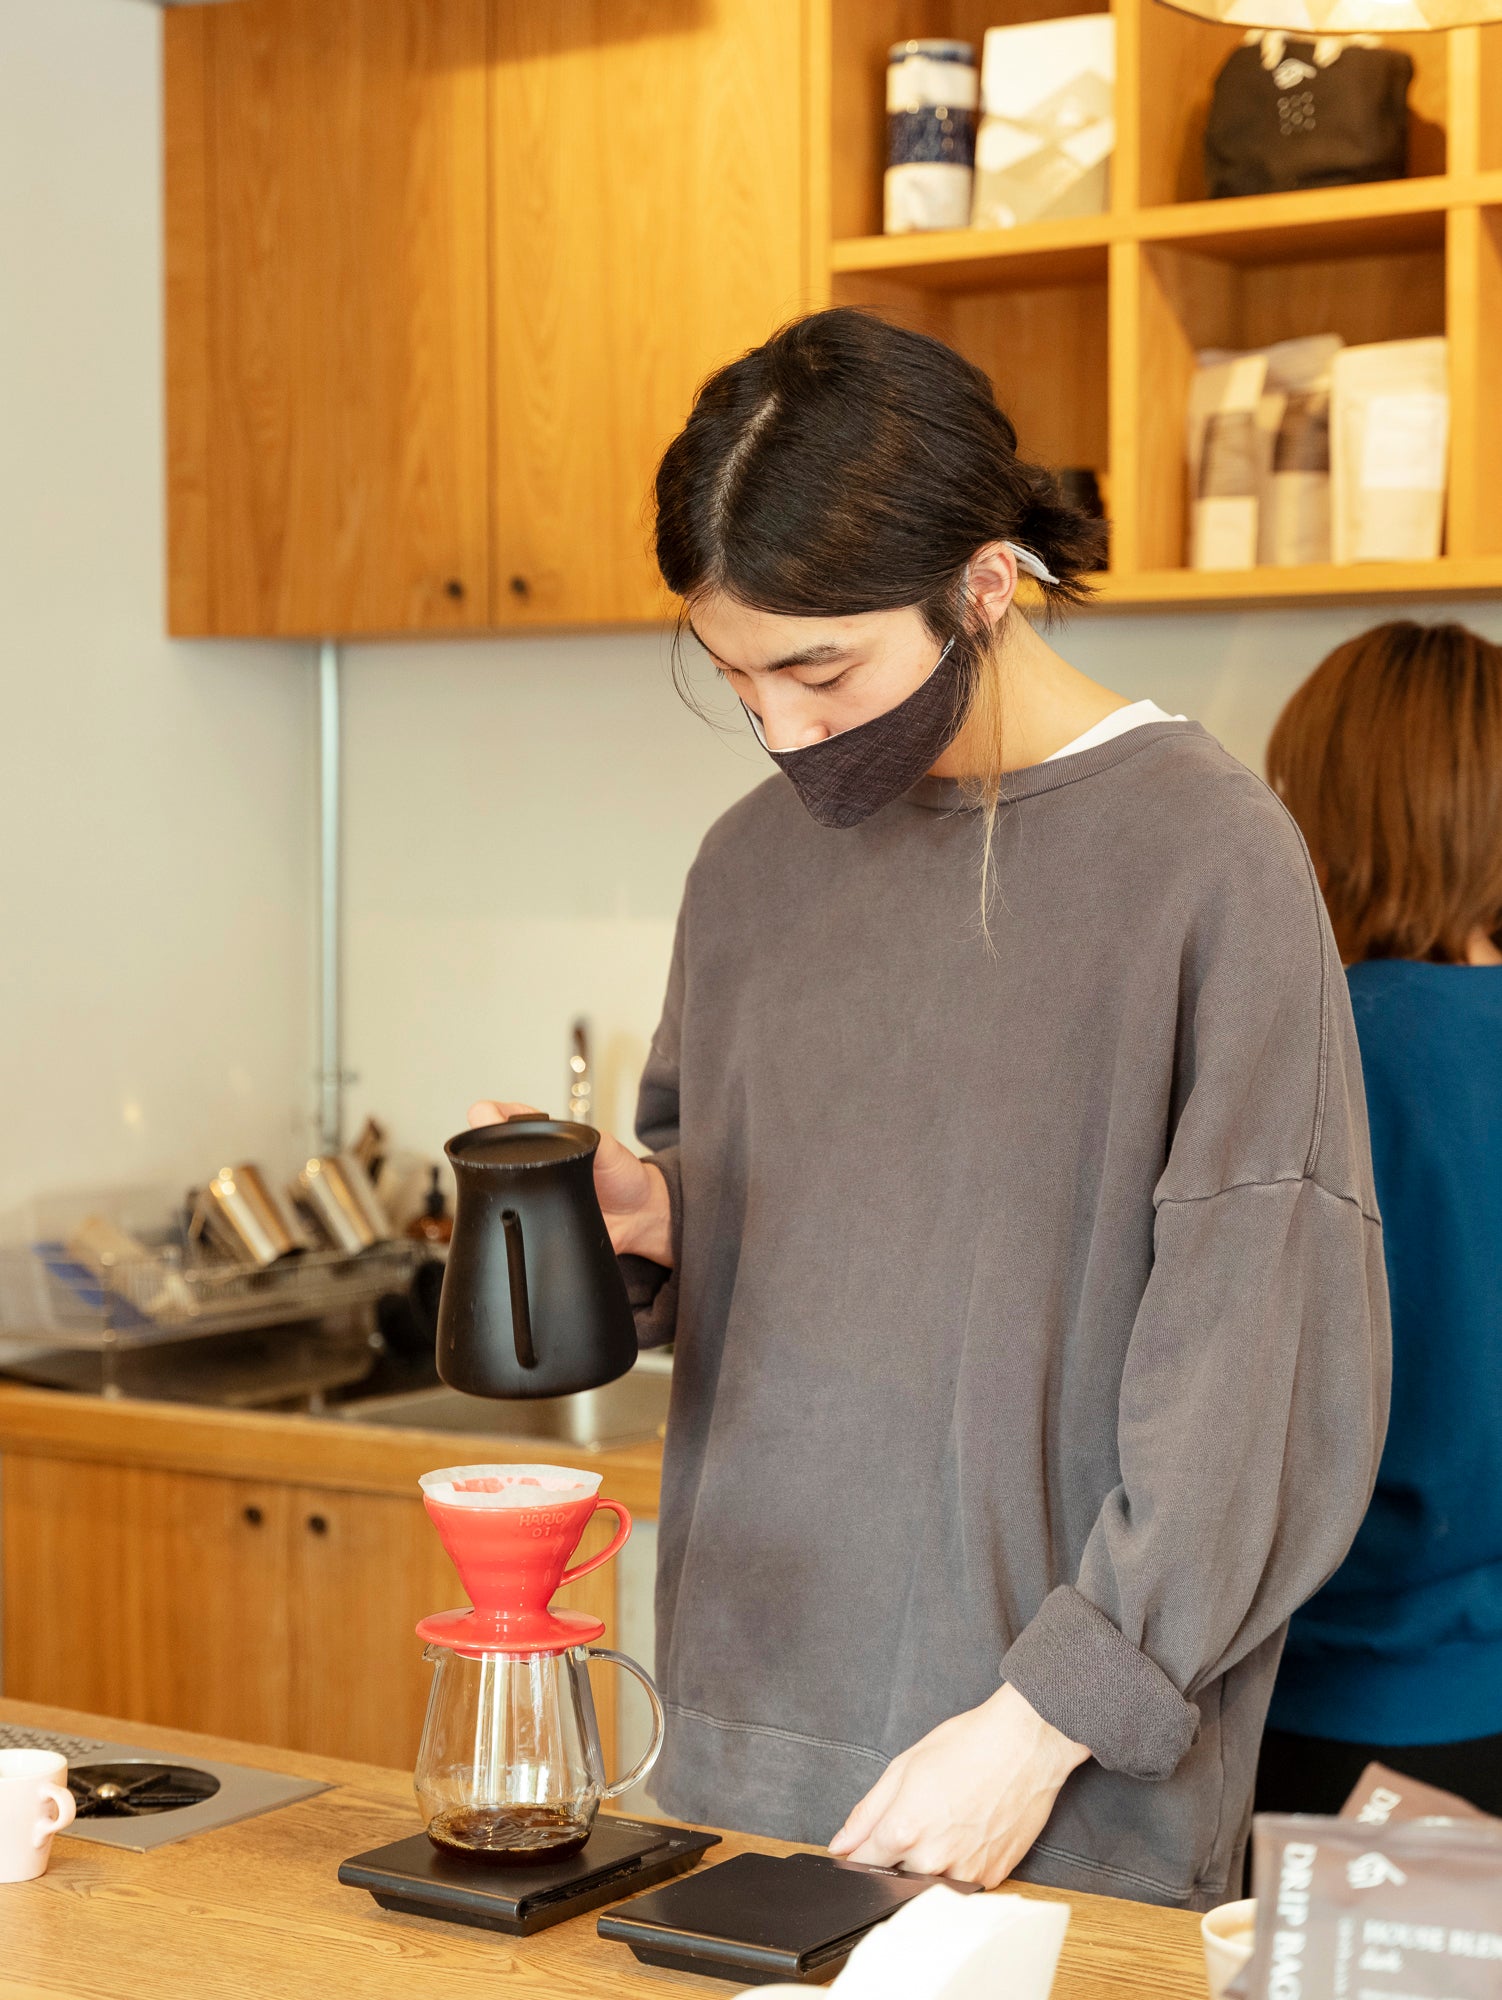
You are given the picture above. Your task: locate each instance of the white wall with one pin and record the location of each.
(1233, 671)
(521, 814)
(155, 843)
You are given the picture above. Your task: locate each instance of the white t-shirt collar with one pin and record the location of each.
(1133, 716)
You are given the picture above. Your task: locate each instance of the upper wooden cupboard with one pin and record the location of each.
(442, 276)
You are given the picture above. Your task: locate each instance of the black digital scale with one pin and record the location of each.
(760, 1918)
(620, 1856)
(752, 1919)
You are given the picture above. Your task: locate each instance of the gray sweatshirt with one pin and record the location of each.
(1030, 1312)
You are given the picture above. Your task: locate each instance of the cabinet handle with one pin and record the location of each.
(454, 588)
(253, 1517)
(520, 587)
(317, 1524)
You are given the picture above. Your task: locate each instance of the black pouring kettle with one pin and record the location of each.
(533, 1300)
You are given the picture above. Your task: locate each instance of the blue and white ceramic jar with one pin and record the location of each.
(933, 90)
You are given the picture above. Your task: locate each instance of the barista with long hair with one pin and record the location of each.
(1008, 1194)
(1390, 758)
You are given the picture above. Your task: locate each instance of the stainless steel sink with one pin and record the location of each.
(628, 1411)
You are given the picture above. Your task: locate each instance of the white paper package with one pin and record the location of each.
(1389, 446)
(945, 1946)
(1048, 121)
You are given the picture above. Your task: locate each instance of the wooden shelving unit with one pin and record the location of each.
(1089, 326)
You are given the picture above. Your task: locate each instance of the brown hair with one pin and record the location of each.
(1390, 759)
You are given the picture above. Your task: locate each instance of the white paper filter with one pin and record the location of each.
(495, 1486)
(944, 1946)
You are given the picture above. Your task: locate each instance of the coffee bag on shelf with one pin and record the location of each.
(1293, 524)
(1389, 442)
(1225, 457)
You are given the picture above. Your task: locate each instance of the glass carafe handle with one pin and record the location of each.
(659, 1721)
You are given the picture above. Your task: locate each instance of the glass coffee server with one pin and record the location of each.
(510, 1764)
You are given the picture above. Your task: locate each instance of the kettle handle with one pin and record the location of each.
(659, 1721)
(622, 1536)
(516, 1271)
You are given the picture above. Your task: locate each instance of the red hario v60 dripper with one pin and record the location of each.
(509, 1531)
(510, 1764)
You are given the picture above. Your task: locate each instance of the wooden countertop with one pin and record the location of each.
(297, 1450)
(257, 1909)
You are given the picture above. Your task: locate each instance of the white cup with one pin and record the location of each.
(35, 1803)
(1227, 1935)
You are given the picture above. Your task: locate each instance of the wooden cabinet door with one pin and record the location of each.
(326, 316)
(159, 1596)
(647, 224)
(365, 1568)
(275, 1614)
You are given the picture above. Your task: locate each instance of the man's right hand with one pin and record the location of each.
(633, 1194)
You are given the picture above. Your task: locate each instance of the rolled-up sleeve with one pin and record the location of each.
(1253, 1409)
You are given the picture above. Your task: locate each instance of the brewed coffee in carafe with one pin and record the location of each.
(510, 1768)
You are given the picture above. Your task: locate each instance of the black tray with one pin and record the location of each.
(758, 1917)
(620, 1856)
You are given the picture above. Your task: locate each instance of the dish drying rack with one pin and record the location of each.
(49, 1299)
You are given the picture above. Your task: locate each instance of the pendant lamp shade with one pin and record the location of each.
(1344, 17)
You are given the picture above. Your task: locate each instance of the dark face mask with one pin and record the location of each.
(844, 779)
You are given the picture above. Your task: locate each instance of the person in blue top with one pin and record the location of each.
(1390, 759)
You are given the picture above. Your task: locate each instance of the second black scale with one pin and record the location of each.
(620, 1857)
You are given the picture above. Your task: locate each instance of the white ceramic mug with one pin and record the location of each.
(35, 1803)
(1227, 1934)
